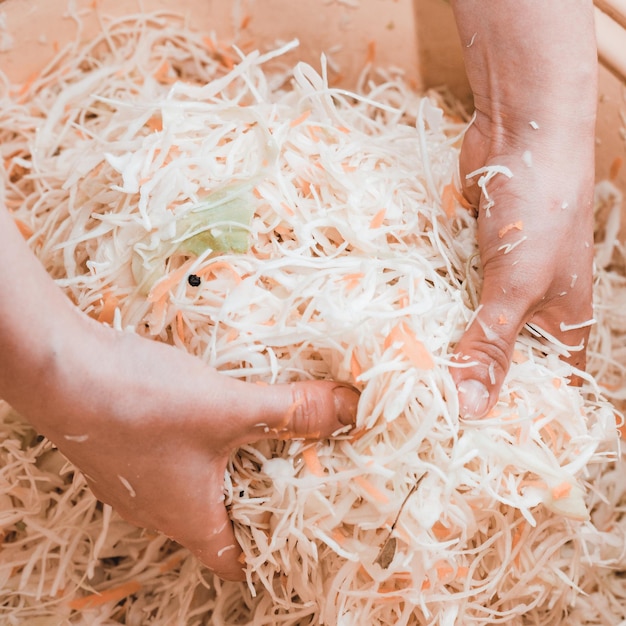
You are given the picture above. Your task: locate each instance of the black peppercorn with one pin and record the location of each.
(194, 280)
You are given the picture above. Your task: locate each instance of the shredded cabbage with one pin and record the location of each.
(315, 216)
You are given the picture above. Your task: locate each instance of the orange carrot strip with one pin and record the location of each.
(301, 118)
(312, 461)
(160, 288)
(353, 280)
(440, 531)
(314, 132)
(561, 491)
(155, 123)
(444, 571)
(305, 185)
(355, 366)
(366, 485)
(180, 328)
(378, 219)
(411, 346)
(371, 52)
(25, 230)
(447, 200)
(461, 199)
(115, 594)
(162, 73)
(210, 44)
(505, 229)
(110, 302)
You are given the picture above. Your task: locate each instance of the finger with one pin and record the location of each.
(305, 409)
(484, 353)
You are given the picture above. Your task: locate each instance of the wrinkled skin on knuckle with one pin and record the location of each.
(486, 353)
(304, 414)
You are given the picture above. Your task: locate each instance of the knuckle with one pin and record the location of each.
(492, 357)
(303, 413)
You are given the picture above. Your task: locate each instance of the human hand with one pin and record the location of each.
(532, 69)
(149, 425)
(156, 449)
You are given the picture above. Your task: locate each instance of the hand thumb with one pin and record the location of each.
(483, 356)
(311, 409)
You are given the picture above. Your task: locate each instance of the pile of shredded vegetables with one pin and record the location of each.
(279, 228)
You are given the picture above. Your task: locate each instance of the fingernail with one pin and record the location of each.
(346, 401)
(473, 399)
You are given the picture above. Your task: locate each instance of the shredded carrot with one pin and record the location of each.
(180, 328)
(25, 230)
(502, 319)
(314, 133)
(338, 536)
(305, 185)
(225, 58)
(155, 123)
(245, 21)
(115, 594)
(110, 302)
(615, 168)
(561, 491)
(355, 366)
(371, 52)
(210, 44)
(312, 461)
(26, 87)
(160, 288)
(373, 491)
(553, 438)
(519, 225)
(447, 200)
(233, 333)
(410, 346)
(378, 219)
(300, 119)
(162, 74)
(460, 198)
(440, 531)
(353, 280)
(444, 570)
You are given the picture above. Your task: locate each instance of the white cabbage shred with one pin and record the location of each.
(329, 255)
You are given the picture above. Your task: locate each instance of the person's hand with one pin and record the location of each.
(532, 69)
(149, 425)
(156, 443)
